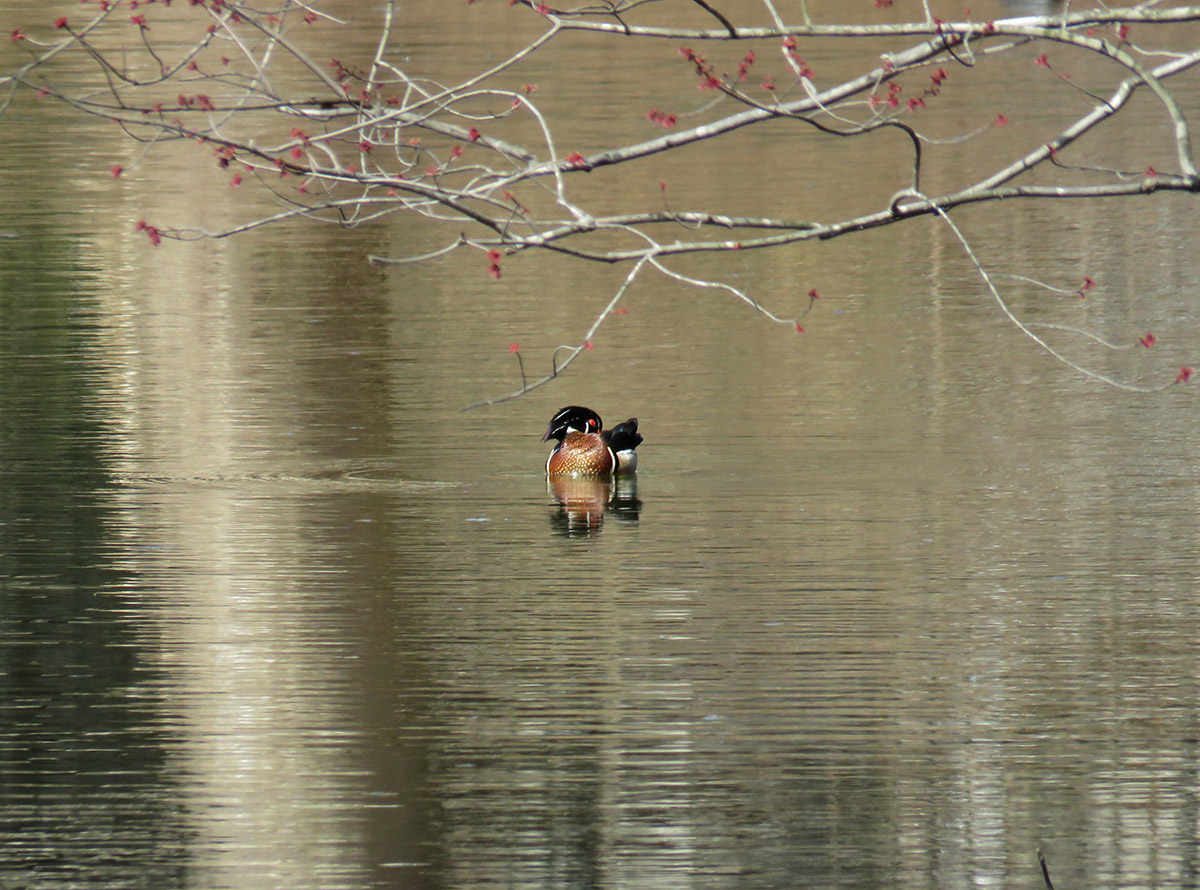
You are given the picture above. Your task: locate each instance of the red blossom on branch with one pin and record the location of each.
(494, 264)
(789, 49)
(152, 232)
(664, 120)
(744, 65)
(116, 170)
(1149, 340)
(520, 208)
(1184, 375)
(575, 159)
(709, 79)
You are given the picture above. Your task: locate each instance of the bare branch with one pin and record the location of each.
(371, 138)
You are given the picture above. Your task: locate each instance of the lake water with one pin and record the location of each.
(890, 604)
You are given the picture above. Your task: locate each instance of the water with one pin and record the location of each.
(893, 603)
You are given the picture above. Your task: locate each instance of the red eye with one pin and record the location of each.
(591, 424)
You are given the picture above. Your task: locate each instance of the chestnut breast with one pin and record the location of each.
(581, 454)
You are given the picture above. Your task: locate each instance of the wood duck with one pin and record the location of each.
(585, 448)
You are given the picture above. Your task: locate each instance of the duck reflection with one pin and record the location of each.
(584, 501)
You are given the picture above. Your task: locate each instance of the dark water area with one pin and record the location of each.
(891, 604)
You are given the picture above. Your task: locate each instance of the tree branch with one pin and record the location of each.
(372, 141)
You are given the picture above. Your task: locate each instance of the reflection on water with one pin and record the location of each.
(1032, 7)
(583, 502)
(892, 605)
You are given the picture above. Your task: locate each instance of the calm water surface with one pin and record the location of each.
(890, 605)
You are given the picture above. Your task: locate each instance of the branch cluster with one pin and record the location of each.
(366, 138)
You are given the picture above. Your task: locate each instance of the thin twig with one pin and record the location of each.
(1024, 328)
(715, 13)
(1045, 870)
(574, 351)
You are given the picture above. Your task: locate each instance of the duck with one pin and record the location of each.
(585, 448)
